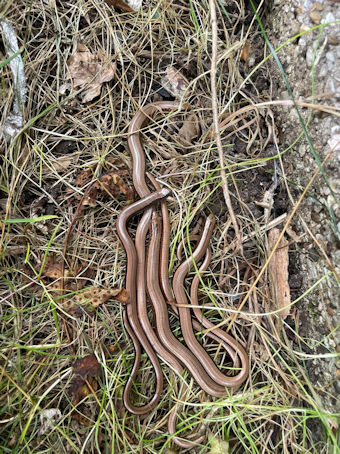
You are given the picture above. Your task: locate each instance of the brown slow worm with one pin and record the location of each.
(131, 308)
(164, 275)
(200, 321)
(193, 357)
(185, 318)
(186, 356)
(162, 351)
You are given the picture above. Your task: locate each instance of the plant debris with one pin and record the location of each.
(130, 6)
(174, 82)
(84, 383)
(278, 273)
(14, 122)
(53, 269)
(87, 367)
(110, 184)
(48, 418)
(189, 130)
(97, 296)
(89, 71)
(218, 446)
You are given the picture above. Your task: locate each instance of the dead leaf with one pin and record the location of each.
(174, 82)
(189, 130)
(130, 6)
(110, 184)
(83, 177)
(245, 51)
(278, 273)
(97, 296)
(259, 351)
(81, 389)
(37, 209)
(86, 367)
(83, 384)
(53, 269)
(62, 163)
(90, 71)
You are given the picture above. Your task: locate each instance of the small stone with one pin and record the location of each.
(334, 142)
(318, 6)
(302, 150)
(310, 56)
(295, 27)
(328, 18)
(333, 40)
(330, 57)
(315, 217)
(330, 311)
(323, 71)
(315, 16)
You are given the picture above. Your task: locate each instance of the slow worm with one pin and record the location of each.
(164, 275)
(131, 308)
(147, 276)
(186, 356)
(185, 318)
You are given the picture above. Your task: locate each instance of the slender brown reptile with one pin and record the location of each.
(157, 286)
(133, 326)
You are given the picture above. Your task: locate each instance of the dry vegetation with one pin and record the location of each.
(56, 167)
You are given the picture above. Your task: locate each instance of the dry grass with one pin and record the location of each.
(278, 408)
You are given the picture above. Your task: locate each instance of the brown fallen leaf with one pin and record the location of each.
(84, 383)
(97, 296)
(278, 273)
(53, 269)
(189, 130)
(86, 367)
(110, 184)
(174, 82)
(90, 71)
(81, 389)
(62, 163)
(83, 177)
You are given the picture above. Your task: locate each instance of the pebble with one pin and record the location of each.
(318, 6)
(330, 57)
(333, 40)
(302, 150)
(310, 56)
(316, 17)
(328, 18)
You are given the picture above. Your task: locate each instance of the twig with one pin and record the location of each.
(315, 174)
